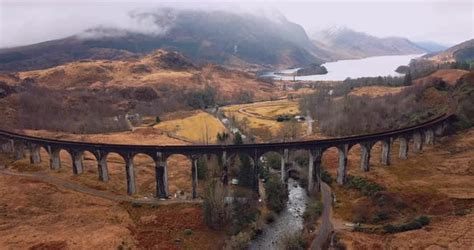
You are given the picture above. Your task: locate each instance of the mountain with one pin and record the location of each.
(344, 43)
(431, 46)
(241, 40)
(461, 52)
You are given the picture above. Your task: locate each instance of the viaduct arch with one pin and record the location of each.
(420, 134)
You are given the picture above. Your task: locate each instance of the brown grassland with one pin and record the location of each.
(437, 183)
(199, 127)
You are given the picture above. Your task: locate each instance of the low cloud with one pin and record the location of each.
(154, 23)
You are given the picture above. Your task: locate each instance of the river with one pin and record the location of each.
(288, 222)
(354, 68)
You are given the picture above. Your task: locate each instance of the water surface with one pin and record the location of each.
(288, 222)
(355, 68)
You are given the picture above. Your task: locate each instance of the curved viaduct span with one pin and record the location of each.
(420, 134)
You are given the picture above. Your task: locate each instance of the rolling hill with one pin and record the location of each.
(96, 91)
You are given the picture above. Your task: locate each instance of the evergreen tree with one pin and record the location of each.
(245, 168)
(238, 139)
(407, 80)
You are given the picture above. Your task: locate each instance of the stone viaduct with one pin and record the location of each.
(420, 134)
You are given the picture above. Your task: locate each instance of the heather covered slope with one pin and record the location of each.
(93, 93)
(437, 183)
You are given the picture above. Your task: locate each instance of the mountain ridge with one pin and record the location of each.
(240, 40)
(345, 43)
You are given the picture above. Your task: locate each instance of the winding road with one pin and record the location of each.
(326, 228)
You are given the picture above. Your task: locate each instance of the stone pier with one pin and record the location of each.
(283, 161)
(342, 166)
(441, 128)
(314, 170)
(7, 146)
(403, 152)
(54, 158)
(417, 142)
(19, 150)
(256, 173)
(77, 162)
(225, 169)
(194, 176)
(102, 166)
(365, 155)
(130, 174)
(429, 137)
(386, 149)
(35, 157)
(161, 177)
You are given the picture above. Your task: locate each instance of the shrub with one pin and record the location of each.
(380, 216)
(326, 177)
(241, 240)
(416, 223)
(283, 118)
(338, 244)
(257, 228)
(270, 217)
(244, 214)
(294, 242)
(313, 210)
(273, 160)
(423, 220)
(157, 119)
(302, 160)
(360, 214)
(264, 173)
(215, 209)
(136, 204)
(188, 231)
(367, 187)
(200, 99)
(244, 96)
(276, 193)
(246, 176)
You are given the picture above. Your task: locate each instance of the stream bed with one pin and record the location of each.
(288, 221)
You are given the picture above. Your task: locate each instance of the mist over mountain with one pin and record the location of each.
(431, 46)
(241, 40)
(344, 43)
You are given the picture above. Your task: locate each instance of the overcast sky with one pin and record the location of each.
(445, 21)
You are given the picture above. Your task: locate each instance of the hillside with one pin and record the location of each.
(344, 43)
(437, 183)
(160, 70)
(239, 40)
(450, 76)
(99, 91)
(460, 52)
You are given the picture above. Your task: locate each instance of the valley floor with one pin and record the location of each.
(438, 183)
(38, 215)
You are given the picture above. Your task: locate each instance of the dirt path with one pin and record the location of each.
(245, 112)
(90, 191)
(326, 228)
